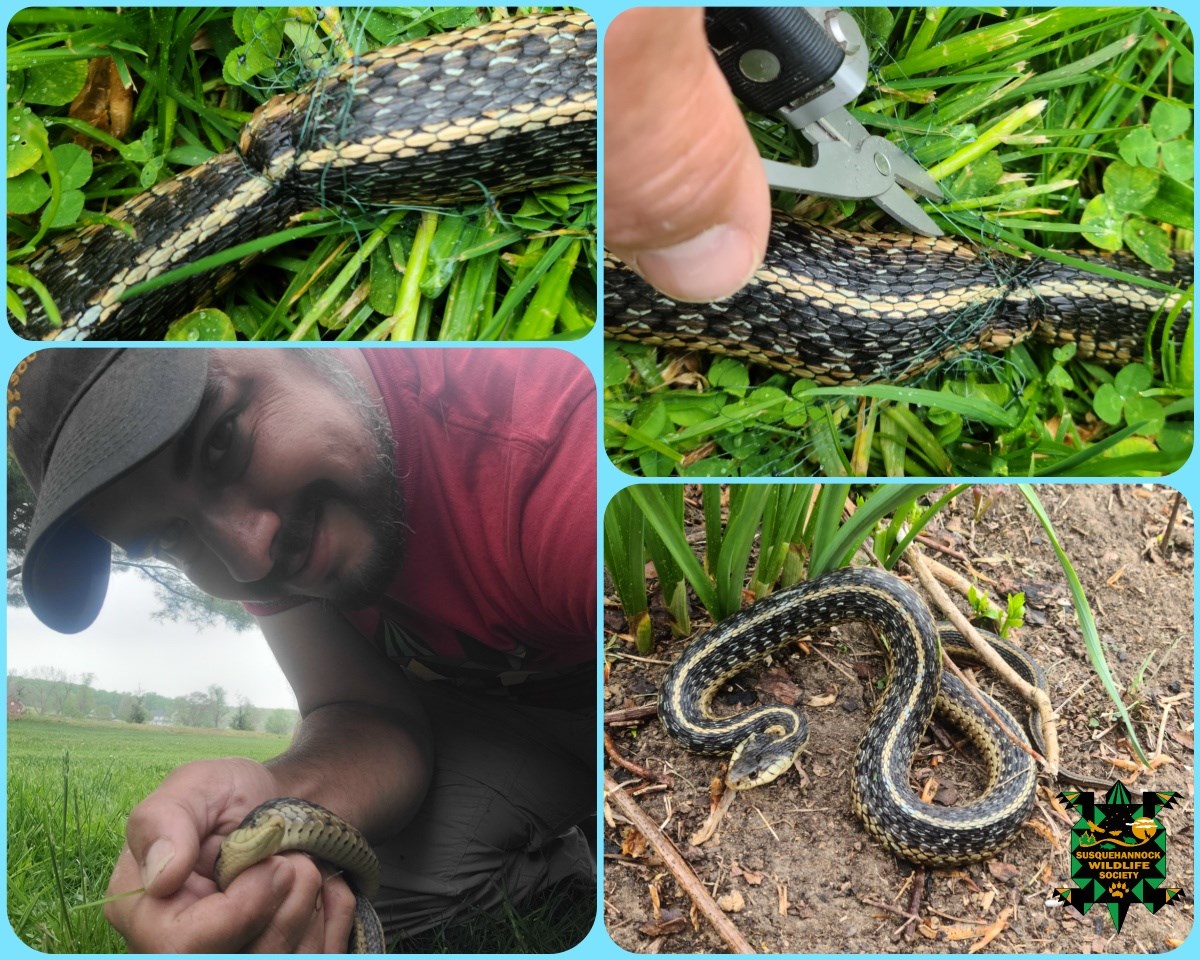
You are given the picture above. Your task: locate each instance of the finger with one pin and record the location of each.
(166, 831)
(245, 916)
(297, 924)
(339, 906)
(163, 836)
(199, 919)
(686, 199)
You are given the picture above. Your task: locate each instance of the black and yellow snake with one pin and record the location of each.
(464, 115)
(287, 823)
(841, 308)
(764, 741)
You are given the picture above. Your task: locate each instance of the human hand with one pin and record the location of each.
(686, 200)
(280, 905)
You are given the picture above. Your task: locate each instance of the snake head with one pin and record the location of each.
(761, 757)
(258, 836)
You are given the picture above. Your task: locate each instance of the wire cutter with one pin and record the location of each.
(806, 64)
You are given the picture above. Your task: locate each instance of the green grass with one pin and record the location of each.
(70, 787)
(519, 267)
(1048, 130)
(555, 922)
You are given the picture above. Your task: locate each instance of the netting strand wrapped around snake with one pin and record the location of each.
(843, 308)
(456, 117)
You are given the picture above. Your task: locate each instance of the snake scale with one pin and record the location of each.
(459, 116)
(840, 308)
(287, 823)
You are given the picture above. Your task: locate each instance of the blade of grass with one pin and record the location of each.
(1087, 622)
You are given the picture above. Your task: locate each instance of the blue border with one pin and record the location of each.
(597, 945)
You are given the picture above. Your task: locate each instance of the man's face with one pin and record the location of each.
(282, 484)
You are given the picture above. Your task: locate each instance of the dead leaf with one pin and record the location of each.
(960, 931)
(992, 931)
(732, 902)
(826, 700)
(670, 922)
(1045, 831)
(104, 102)
(777, 685)
(633, 844)
(1004, 872)
(750, 876)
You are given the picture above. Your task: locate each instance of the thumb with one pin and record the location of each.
(686, 200)
(164, 839)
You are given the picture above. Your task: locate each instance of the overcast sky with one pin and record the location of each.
(126, 650)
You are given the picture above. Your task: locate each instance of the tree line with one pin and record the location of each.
(51, 691)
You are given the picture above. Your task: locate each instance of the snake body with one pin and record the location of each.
(765, 740)
(458, 116)
(840, 308)
(287, 823)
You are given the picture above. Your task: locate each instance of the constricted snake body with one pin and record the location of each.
(287, 823)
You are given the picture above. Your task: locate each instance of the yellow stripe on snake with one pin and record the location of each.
(287, 823)
(841, 308)
(459, 116)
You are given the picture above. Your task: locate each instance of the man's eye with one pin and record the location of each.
(219, 441)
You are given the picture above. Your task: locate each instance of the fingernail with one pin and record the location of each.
(710, 266)
(161, 853)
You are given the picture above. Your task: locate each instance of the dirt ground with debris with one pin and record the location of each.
(794, 869)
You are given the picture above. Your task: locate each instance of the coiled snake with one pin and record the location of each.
(840, 308)
(290, 824)
(764, 741)
(457, 116)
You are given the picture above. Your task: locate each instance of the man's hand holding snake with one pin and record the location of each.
(281, 905)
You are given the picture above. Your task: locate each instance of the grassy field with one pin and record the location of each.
(72, 784)
(70, 787)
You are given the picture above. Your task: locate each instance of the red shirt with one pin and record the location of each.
(496, 458)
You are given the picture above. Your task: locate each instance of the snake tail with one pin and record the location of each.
(843, 309)
(457, 117)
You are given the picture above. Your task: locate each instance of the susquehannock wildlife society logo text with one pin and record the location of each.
(1118, 852)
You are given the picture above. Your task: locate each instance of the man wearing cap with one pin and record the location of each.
(415, 532)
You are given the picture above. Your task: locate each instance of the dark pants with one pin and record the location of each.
(511, 784)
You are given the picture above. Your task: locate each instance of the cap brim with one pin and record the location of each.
(143, 401)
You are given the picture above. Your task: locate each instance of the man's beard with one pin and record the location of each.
(378, 501)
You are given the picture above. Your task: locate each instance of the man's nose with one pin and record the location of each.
(241, 535)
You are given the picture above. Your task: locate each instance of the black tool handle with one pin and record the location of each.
(771, 56)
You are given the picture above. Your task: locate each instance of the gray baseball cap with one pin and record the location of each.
(78, 419)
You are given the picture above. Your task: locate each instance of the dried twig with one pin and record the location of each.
(923, 568)
(644, 772)
(631, 714)
(674, 861)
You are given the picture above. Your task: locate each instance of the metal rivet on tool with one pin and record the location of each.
(761, 66)
(845, 32)
(882, 163)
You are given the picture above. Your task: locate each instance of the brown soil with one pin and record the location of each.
(800, 873)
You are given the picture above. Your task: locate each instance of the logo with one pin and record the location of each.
(1118, 852)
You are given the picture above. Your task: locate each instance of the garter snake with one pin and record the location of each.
(285, 824)
(764, 741)
(840, 308)
(460, 116)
